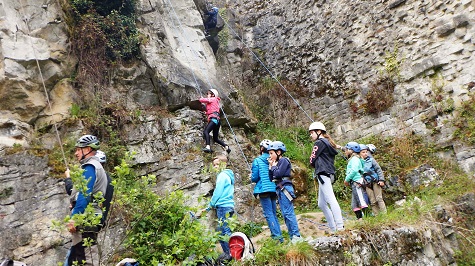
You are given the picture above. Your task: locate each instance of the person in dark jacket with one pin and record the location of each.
(279, 171)
(211, 20)
(265, 190)
(323, 160)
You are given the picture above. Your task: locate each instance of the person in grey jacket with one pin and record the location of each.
(374, 177)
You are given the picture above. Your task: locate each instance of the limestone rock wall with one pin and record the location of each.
(333, 50)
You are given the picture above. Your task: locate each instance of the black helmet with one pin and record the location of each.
(88, 141)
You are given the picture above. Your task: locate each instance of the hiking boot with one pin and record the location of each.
(207, 150)
(228, 150)
(224, 258)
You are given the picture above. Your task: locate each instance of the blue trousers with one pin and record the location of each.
(269, 208)
(222, 212)
(287, 209)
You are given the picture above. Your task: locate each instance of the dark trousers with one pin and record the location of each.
(78, 251)
(215, 128)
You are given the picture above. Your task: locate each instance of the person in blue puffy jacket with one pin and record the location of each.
(265, 190)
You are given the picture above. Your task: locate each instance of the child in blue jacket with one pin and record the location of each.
(265, 190)
(354, 178)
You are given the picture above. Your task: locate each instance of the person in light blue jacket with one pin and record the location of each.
(223, 199)
(265, 190)
(354, 178)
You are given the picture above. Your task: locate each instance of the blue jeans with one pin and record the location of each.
(223, 225)
(287, 209)
(269, 207)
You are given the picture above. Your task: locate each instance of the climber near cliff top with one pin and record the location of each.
(212, 112)
(211, 20)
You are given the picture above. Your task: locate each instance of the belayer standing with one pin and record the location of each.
(212, 112)
(323, 160)
(94, 173)
(265, 190)
(279, 171)
(374, 179)
(223, 201)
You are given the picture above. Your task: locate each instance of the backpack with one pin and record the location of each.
(370, 176)
(241, 247)
(106, 204)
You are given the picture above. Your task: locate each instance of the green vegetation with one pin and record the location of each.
(272, 252)
(102, 33)
(464, 121)
(223, 35)
(380, 95)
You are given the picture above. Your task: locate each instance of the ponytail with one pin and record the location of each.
(332, 142)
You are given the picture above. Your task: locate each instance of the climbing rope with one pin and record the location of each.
(58, 138)
(182, 31)
(268, 71)
(222, 110)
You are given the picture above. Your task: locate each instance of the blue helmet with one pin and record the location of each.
(215, 9)
(354, 146)
(363, 147)
(277, 145)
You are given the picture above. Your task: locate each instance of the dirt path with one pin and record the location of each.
(310, 224)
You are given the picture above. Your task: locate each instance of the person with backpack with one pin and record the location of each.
(322, 159)
(212, 112)
(211, 20)
(101, 156)
(223, 201)
(374, 177)
(96, 177)
(279, 172)
(354, 178)
(265, 191)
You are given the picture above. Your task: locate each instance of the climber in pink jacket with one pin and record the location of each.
(212, 112)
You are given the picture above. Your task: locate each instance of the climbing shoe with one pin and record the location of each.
(207, 150)
(228, 150)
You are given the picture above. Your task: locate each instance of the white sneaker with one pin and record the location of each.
(297, 239)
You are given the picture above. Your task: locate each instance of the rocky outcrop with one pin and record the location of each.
(331, 52)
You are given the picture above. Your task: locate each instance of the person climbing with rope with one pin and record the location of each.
(212, 112)
(322, 159)
(211, 20)
(279, 172)
(96, 177)
(265, 191)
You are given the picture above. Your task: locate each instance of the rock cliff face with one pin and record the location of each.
(334, 50)
(314, 43)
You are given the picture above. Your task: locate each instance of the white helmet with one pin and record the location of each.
(214, 92)
(265, 143)
(101, 156)
(371, 148)
(317, 126)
